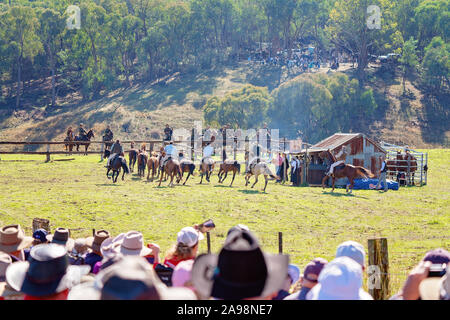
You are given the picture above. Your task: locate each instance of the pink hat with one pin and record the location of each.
(181, 276)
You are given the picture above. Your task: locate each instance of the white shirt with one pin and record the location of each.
(170, 150)
(208, 151)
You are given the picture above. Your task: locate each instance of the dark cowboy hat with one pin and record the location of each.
(241, 270)
(12, 238)
(62, 237)
(96, 241)
(46, 272)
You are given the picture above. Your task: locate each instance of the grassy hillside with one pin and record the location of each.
(139, 111)
(77, 195)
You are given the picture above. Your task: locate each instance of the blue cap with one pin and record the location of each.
(40, 234)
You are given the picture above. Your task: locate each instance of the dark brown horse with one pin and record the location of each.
(142, 162)
(227, 166)
(69, 138)
(88, 137)
(172, 168)
(345, 171)
(115, 165)
(132, 157)
(187, 166)
(153, 166)
(206, 168)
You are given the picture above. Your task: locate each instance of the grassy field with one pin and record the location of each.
(77, 195)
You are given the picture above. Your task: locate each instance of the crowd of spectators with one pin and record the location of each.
(123, 267)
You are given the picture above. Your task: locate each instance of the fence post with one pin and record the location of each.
(280, 242)
(208, 241)
(48, 153)
(247, 153)
(285, 161)
(378, 256)
(421, 170)
(235, 148)
(39, 223)
(192, 145)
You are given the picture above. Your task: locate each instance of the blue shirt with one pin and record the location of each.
(170, 150)
(91, 259)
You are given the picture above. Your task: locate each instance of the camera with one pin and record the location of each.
(206, 226)
(437, 270)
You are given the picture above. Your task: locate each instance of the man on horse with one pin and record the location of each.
(82, 133)
(171, 152)
(108, 135)
(116, 150)
(340, 157)
(208, 151)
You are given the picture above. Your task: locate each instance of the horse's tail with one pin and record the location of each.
(125, 166)
(366, 173)
(210, 167)
(180, 173)
(237, 165)
(270, 174)
(192, 168)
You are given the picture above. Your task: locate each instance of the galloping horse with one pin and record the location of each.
(153, 166)
(115, 165)
(206, 168)
(88, 137)
(225, 167)
(187, 166)
(142, 161)
(347, 170)
(132, 157)
(258, 169)
(69, 138)
(171, 168)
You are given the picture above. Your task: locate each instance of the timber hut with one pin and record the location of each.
(363, 151)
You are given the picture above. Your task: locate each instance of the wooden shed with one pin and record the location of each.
(363, 151)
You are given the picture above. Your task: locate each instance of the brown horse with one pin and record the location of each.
(206, 168)
(88, 137)
(227, 166)
(132, 157)
(142, 162)
(349, 171)
(187, 166)
(69, 138)
(172, 168)
(153, 166)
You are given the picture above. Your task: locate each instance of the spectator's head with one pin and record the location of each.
(436, 288)
(181, 155)
(118, 141)
(131, 278)
(341, 279)
(240, 271)
(95, 242)
(46, 274)
(13, 241)
(128, 244)
(40, 237)
(293, 275)
(312, 272)
(352, 250)
(167, 125)
(62, 237)
(181, 276)
(80, 246)
(81, 125)
(187, 243)
(238, 227)
(171, 142)
(437, 256)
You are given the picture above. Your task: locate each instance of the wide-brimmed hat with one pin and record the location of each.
(341, 279)
(241, 270)
(96, 241)
(62, 237)
(130, 244)
(46, 272)
(5, 290)
(189, 236)
(12, 238)
(132, 278)
(352, 249)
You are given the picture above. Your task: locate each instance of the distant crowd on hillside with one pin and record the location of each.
(127, 267)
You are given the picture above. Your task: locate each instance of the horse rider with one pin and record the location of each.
(171, 152)
(116, 150)
(81, 132)
(340, 157)
(108, 135)
(69, 134)
(208, 151)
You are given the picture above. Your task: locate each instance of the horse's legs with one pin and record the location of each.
(160, 179)
(351, 185)
(171, 179)
(256, 180)
(123, 175)
(323, 181)
(201, 174)
(226, 174)
(334, 180)
(265, 177)
(189, 174)
(234, 175)
(107, 172)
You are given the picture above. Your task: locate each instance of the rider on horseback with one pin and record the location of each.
(82, 133)
(108, 135)
(208, 151)
(340, 157)
(170, 151)
(116, 150)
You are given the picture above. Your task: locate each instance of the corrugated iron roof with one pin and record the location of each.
(335, 141)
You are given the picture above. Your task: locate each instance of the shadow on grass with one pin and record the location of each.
(250, 191)
(109, 184)
(340, 194)
(226, 186)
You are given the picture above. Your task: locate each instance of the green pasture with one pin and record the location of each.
(77, 195)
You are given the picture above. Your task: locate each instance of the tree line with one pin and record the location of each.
(122, 42)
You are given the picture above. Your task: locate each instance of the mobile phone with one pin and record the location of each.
(437, 270)
(207, 226)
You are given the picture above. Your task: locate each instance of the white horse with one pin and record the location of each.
(207, 167)
(258, 169)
